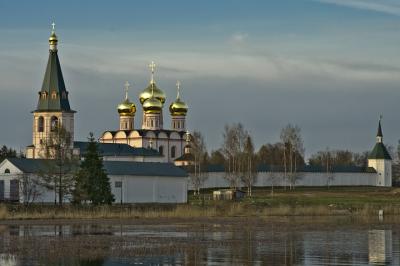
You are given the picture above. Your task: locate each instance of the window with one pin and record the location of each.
(173, 152)
(53, 95)
(43, 95)
(7, 171)
(40, 124)
(161, 150)
(118, 184)
(53, 123)
(64, 95)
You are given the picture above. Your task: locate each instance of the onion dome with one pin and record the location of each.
(152, 89)
(53, 40)
(152, 106)
(126, 107)
(178, 107)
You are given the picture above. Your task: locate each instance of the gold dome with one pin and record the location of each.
(126, 108)
(152, 106)
(178, 108)
(53, 38)
(147, 93)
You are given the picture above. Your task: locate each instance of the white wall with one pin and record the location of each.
(217, 179)
(147, 189)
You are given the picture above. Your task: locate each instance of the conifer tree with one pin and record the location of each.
(92, 182)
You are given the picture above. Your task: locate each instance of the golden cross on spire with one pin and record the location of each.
(178, 89)
(126, 85)
(152, 67)
(53, 26)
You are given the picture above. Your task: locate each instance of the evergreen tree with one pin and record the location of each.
(92, 182)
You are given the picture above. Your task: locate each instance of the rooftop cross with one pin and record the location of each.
(152, 67)
(53, 26)
(126, 85)
(178, 87)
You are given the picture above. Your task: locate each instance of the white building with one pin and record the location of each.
(131, 182)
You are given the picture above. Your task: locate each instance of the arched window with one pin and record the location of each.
(53, 123)
(53, 95)
(40, 124)
(173, 152)
(7, 171)
(161, 150)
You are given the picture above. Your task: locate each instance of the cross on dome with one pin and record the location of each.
(178, 88)
(152, 67)
(53, 26)
(126, 85)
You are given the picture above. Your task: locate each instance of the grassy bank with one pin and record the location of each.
(301, 202)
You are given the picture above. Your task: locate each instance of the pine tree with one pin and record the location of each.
(92, 182)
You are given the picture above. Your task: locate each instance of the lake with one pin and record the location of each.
(219, 241)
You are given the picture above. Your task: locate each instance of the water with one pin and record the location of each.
(232, 241)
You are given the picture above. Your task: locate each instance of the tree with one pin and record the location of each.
(233, 150)
(61, 164)
(250, 168)
(292, 148)
(200, 155)
(29, 185)
(217, 158)
(92, 182)
(7, 153)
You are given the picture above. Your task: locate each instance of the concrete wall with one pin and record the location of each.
(217, 179)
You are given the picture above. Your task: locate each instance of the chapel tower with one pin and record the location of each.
(152, 99)
(126, 111)
(178, 110)
(381, 161)
(53, 110)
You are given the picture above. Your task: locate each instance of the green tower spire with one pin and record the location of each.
(53, 96)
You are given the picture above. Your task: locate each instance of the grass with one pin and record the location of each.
(356, 201)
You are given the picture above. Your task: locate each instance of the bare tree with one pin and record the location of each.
(233, 149)
(293, 151)
(199, 152)
(58, 174)
(29, 185)
(250, 169)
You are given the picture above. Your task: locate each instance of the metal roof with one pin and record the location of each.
(111, 167)
(53, 82)
(380, 152)
(116, 149)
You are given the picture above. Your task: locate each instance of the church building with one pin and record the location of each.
(170, 143)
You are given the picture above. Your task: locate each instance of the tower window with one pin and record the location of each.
(7, 171)
(64, 95)
(40, 126)
(53, 95)
(161, 150)
(173, 152)
(53, 123)
(44, 95)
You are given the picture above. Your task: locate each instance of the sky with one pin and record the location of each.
(332, 67)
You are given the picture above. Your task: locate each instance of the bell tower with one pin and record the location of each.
(381, 161)
(53, 110)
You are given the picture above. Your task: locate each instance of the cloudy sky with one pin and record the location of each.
(330, 66)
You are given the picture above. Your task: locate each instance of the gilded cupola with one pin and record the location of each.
(178, 107)
(53, 40)
(126, 107)
(152, 89)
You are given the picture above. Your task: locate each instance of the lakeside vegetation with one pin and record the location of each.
(336, 201)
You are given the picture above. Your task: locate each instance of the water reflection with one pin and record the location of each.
(230, 242)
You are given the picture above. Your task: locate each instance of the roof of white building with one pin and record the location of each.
(111, 167)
